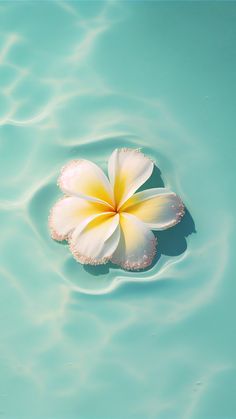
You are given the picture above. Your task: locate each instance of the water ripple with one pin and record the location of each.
(74, 333)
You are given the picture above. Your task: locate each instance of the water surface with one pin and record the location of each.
(78, 79)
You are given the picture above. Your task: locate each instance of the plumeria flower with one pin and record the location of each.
(105, 219)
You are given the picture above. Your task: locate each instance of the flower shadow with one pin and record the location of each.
(172, 242)
(155, 181)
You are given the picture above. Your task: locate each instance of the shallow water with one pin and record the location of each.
(78, 79)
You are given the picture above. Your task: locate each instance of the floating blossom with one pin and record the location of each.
(106, 219)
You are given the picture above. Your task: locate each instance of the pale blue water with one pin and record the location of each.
(78, 79)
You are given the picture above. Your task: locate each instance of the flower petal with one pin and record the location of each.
(85, 179)
(137, 245)
(128, 169)
(157, 207)
(95, 239)
(68, 212)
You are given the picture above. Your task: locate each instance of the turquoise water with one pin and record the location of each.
(78, 79)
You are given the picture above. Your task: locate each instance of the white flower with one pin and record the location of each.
(105, 220)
